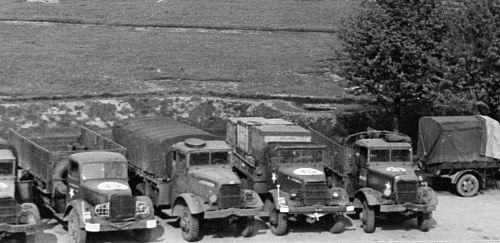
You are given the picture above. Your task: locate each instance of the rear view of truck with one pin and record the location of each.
(464, 149)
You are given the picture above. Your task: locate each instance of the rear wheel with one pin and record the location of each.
(424, 221)
(368, 218)
(75, 233)
(278, 222)
(190, 225)
(246, 226)
(467, 185)
(335, 223)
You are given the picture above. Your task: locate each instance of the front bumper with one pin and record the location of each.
(315, 209)
(407, 207)
(128, 225)
(21, 228)
(224, 213)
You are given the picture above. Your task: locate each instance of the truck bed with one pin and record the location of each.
(41, 155)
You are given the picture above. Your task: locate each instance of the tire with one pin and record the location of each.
(142, 235)
(33, 213)
(246, 226)
(338, 225)
(368, 218)
(278, 222)
(424, 221)
(190, 225)
(467, 185)
(75, 233)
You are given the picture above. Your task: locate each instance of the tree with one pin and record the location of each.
(395, 51)
(475, 44)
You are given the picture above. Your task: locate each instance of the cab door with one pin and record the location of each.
(73, 182)
(179, 177)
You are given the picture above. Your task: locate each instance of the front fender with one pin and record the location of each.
(370, 195)
(192, 202)
(255, 201)
(79, 206)
(275, 194)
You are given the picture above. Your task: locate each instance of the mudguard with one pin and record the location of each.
(370, 195)
(454, 178)
(78, 205)
(192, 201)
(256, 202)
(274, 194)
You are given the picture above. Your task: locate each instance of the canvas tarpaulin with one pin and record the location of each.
(149, 140)
(458, 139)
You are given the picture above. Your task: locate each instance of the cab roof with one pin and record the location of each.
(207, 146)
(97, 156)
(6, 154)
(381, 143)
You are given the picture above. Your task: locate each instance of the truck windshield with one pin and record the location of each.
(300, 155)
(6, 168)
(204, 158)
(104, 170)
(386, 155)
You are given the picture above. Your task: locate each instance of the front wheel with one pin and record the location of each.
(75, 233)
(142, 235)
(424, 221)
(467, 185)
(246, 226)
(335, 223)
(278, 221)
(368, 218)
(190, 225)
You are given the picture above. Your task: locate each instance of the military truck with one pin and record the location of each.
(462, 149)
(187, 173)
(82, 181)
(376, 169)
(19, 218)
(277, 159)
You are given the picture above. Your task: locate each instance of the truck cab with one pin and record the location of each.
(385, 180)
(17, 219)
(99, 199)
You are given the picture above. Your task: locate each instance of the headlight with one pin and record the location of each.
(296, 195)
(212, 199)
(388, 189)
(141, 207)
(102, 210)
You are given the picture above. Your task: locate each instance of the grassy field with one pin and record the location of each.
(323, 15)
(115, 46)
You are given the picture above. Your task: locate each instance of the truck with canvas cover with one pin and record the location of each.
(277, 159)
(465, 149)
(82, 180)
(187, 173)
(19, 218)
(376, 169)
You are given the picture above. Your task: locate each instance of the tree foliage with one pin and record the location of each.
(433, 54)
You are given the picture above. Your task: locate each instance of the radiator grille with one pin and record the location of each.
(230, 196)
(8, 211)
(315, 193)
(406, 191)
(121, 208)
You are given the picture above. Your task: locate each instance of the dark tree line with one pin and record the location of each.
(426, 57)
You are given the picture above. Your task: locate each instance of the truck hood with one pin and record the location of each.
(218, 175)
(7, 187)
(100, 191)
(303, 173)
(391, 170)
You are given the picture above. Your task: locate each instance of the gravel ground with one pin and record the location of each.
(456, 220)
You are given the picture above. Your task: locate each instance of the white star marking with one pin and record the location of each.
(71, 192)
(274, 178)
